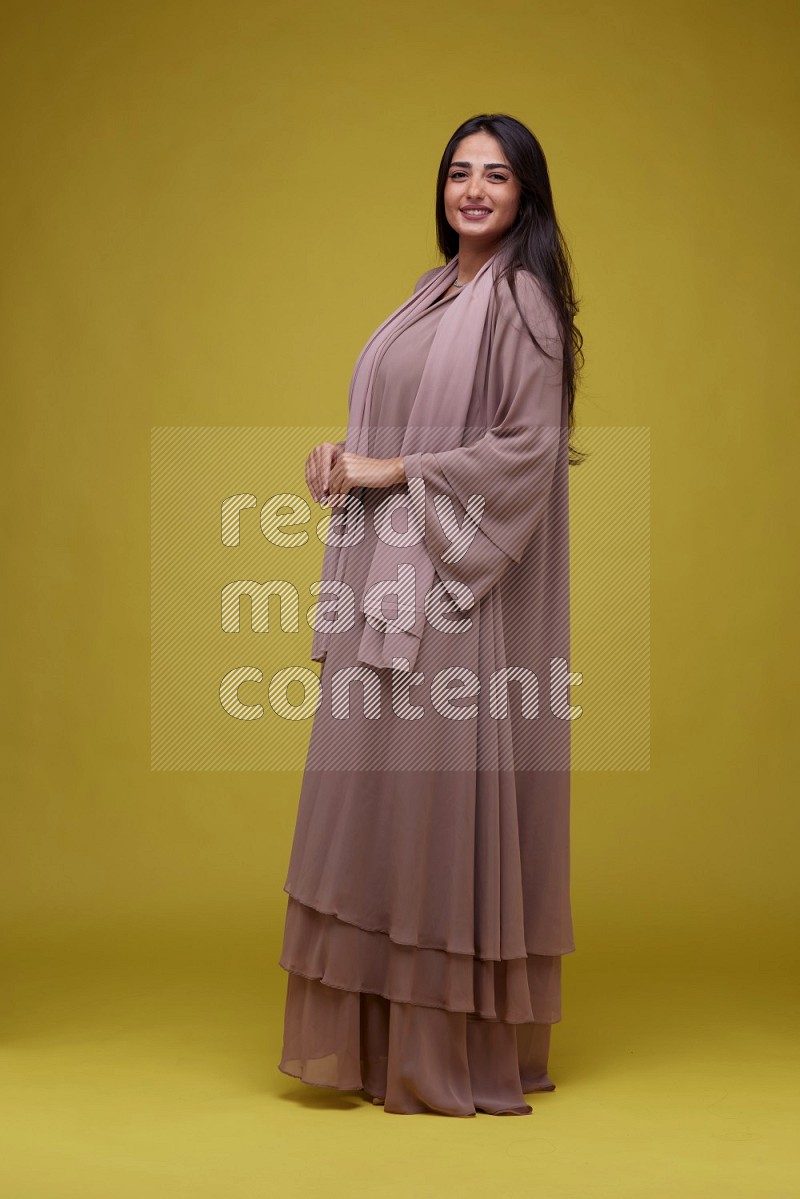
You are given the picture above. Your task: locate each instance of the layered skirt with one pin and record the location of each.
(423, 938)
(420, 1029)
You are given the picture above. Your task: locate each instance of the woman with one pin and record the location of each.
(428, 882)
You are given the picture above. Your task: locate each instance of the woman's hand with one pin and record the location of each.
(318, 467)
(356, 470)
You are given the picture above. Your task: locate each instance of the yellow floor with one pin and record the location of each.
(136, 1067)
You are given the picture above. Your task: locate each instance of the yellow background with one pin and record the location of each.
(206, 210)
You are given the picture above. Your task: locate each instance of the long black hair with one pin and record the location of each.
(533, 243)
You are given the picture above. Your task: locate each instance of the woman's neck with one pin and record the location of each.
(472, 258)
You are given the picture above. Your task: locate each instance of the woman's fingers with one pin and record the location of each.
(338, 486)
(325, 467)
(317, 465)
(318, 472)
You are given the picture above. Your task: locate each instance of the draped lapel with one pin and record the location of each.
(437, 421)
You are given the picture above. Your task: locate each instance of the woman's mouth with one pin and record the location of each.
(476, 214)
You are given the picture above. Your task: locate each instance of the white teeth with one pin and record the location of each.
(478, 211)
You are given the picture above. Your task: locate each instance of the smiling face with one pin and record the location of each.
(480, 178)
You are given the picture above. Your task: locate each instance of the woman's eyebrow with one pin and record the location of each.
(487, 165)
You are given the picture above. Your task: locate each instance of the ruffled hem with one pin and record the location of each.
(416, 1059)
(317, 945)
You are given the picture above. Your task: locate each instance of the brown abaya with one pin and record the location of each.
(428, 892)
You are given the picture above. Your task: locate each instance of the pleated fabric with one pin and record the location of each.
(427, 907)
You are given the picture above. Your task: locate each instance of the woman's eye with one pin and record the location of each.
(495, 176)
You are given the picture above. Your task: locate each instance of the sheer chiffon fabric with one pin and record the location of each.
(416, 1059)
(423, 1049)
(414, 972)
(427, 911)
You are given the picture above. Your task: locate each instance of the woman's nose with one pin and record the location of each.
(475, 189)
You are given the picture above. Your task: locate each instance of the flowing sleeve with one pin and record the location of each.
(498, 487)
